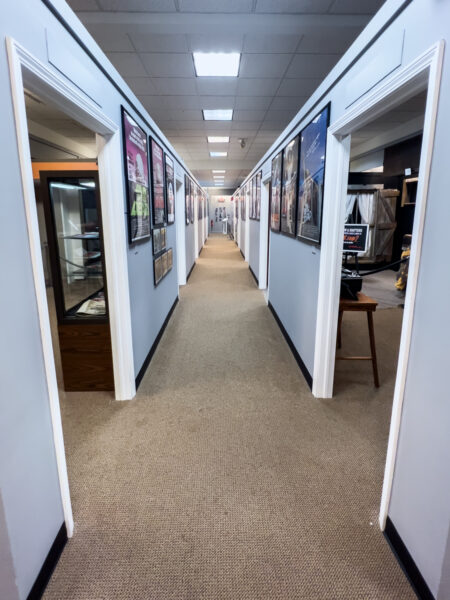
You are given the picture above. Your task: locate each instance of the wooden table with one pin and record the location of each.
(363, 304)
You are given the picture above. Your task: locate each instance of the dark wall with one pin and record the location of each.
(402, 156)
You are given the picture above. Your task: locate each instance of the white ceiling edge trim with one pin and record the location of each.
(44, 133)
(67, 14)
(368, 35)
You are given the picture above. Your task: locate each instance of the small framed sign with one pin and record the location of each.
(355, 238)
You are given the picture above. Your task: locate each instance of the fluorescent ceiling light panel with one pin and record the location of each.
(217, 64)
(217, 139)
(221, 177)
(217, 154)
(222, 114)
(218, 171)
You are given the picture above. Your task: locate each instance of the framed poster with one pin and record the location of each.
(289, 188)
(236, 205)
(243, 199)
(258, 195)
(156, 241)
(275, 196)
(163, 239)
(164, 263)
(157, 270)
(187, 203)
(158, 200)
(169, 259)
(170, 188)
(312, 176)
(191, 199)
(135, 148)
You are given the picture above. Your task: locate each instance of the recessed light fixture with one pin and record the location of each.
(217, 64)
(222, 114)
(218, 176)
(217, 154)
(218, 139)
(218, 170)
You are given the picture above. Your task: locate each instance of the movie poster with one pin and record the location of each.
(312, 175)
(158, 201)
(170, 189)
(289, 188)
(136, 173)
(275, 198)
(187, 199)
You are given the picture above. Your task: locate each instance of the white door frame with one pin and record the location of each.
(263, 235)
(422, 73)
(54, 87)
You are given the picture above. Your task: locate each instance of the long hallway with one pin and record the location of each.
(225, 479)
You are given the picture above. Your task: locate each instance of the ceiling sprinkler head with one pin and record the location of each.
(242, 142)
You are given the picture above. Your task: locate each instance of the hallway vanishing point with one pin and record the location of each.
(225, 478)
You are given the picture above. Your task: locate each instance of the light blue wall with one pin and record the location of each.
(241, 226)
(253, 258)
(190, 247)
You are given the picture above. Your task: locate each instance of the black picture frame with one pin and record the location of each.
(157, 270)
(158, 183)
(191, 200)
(288, 213)
(258, 195)
(169, 172)
(187, 203)
(276, 192)
(136, 171)
(157, 240)
(312, 156)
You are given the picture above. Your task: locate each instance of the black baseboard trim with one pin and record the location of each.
(254, 276)
(190, 272)
(38, 589)
(200, 251)
(149, 356)
(298, 358)
(242, 253)
(406, 562)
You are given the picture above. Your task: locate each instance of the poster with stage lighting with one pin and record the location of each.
(158, 196)
(275, 197)
(289, 188)
(313, 142)
(136, 174)
(355, 238)
(170, 189)
(187, 203)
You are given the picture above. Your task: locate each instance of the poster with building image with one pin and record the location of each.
(137, 181)
(289, 188)
(170, 189)
(158, 199)
(275, 196)
(313, 142)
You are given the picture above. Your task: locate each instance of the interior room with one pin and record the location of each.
(382, 185)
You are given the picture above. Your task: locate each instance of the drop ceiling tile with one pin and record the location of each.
(337, 40)
(356, 7)
(294, 6)
(175, 86)
(216, 102)
(168, 64)
(111, 39)
(79, 5)
(312, 65)
(257, 87)
(277, 44)
(127, 63)
(211, 86)
(219, 41)
(249, 115)
(264, 65)
(253, 102)
(170, 102)
(298, 87)
(159, 42)
(288, 102)
(138, 5)
(141, 85)
(216, 6)
(186, 126)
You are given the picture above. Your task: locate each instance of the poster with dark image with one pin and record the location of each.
(191, 200)
(170, 189)
(156, 241)
(275, 197)
(258, 196)
(136, 174)
(158, 201)
(187, 202)
(289, 188)
(312, 175)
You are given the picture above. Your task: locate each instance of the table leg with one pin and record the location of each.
(372, 348)
(339, 330)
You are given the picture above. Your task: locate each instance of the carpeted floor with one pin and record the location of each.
(225, 478)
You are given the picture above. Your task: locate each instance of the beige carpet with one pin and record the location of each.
(225, 478)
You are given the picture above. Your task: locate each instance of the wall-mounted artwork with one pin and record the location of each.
(156, 241)
(236, 205)
(163, 238)
(170, 189)
(169, 259)
(158, 199)
(313, 142)
(258, 196)
(135, 149)
(191, 200)
(289, 188)
(157, 270)
(243, 200)
(187, 201)
(275, 197)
